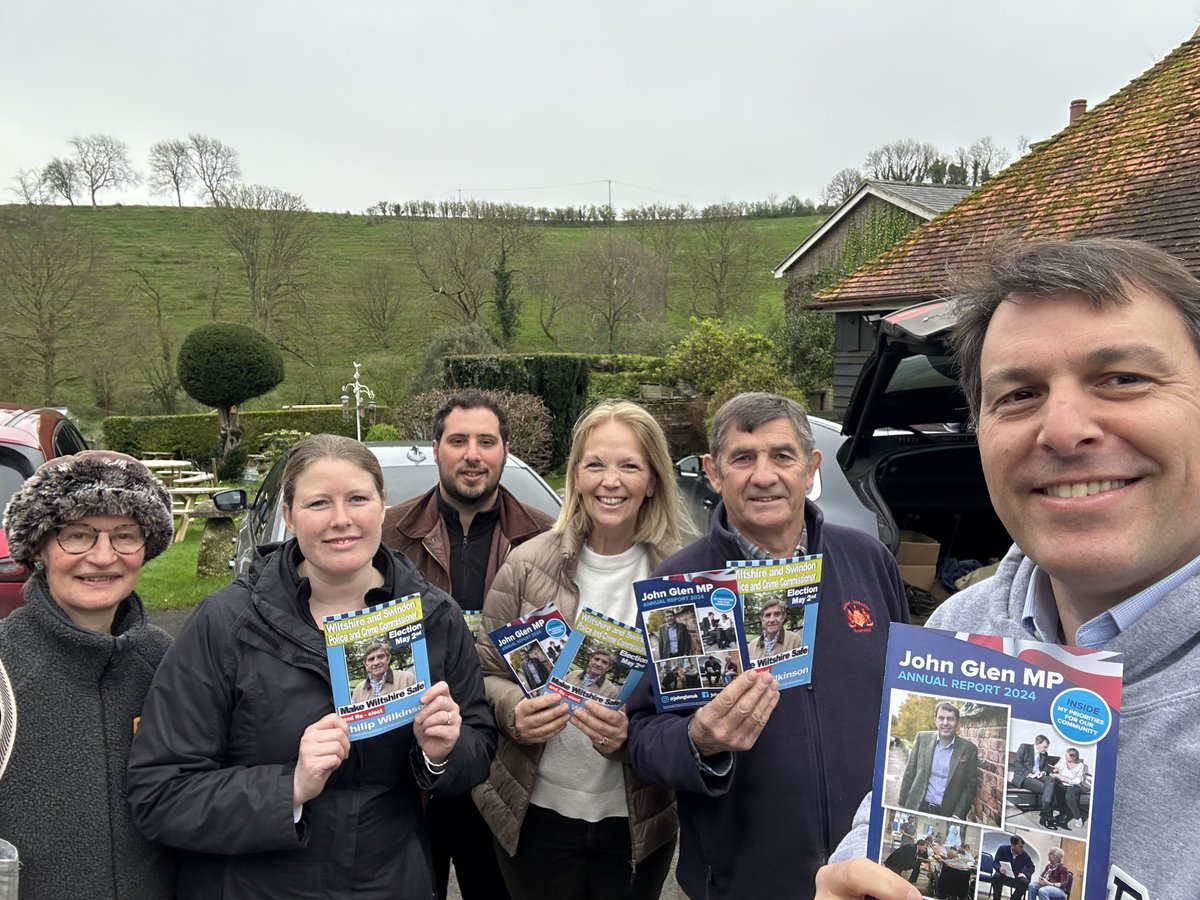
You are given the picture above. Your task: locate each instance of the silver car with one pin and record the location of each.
(408, 470)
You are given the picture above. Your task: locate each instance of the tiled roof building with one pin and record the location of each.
(1130, 167)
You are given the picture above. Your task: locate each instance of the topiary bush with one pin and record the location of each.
(224, 364)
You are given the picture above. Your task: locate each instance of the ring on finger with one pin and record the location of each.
(449, 717)
(603, 742)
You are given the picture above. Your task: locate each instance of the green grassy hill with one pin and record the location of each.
(183, 255)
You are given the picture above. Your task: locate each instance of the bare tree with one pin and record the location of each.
(47, 279)
(214, 164)
(986, 159)
(842, 187)
(120, 331)
(31, 188)
(472, 258)
(659, 227)
(618, 281)
(304, 335)
(554, 289)
(902, 160)
(103, 163)
(376, 301)
(61, 177)
(157, 364)
(278, 242)
(171, 169)
(450, 256)
(725, 253)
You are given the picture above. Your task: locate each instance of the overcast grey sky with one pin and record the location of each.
(522, 100)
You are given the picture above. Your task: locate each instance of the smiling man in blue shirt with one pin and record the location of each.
(1081, 364)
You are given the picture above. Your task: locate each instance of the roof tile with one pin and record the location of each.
(1130, 167)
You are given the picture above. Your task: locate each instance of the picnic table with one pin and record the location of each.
(176, 471)
(187, 498)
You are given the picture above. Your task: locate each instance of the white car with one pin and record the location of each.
(408, 470)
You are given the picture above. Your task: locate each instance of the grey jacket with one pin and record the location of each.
(536, 573)
(62, 802)
(1160, 710)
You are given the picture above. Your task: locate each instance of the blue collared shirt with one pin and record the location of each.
(939, 772)
(1040, 614)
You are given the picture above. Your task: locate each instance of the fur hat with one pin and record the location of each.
(91, 483)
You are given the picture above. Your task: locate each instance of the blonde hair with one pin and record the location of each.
(659, 519)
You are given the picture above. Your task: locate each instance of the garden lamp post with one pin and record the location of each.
(360, 392)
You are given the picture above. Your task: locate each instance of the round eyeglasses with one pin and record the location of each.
(77, 539)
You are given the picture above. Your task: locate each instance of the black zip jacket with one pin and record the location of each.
(212, 764)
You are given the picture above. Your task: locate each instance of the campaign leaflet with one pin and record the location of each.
(703, 629)
(474, 620)
(598, 641)
(1007, 693)
(786, 589)
(530, 644)
(692, 628)
(384, 643)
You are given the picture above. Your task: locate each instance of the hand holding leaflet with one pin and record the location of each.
(437, 724)
(606, 728)
(855, 879)
(734, 718)
(541, 718)
(324, 746)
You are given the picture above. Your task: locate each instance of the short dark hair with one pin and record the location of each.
(949, 707)
(1041, 739)
(469, 400)
(1016, 839)
(1101, 269)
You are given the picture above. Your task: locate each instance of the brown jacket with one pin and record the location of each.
(416, 529)
(538, 572)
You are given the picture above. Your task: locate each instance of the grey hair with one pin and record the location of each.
(1101, 269)
(748, 411)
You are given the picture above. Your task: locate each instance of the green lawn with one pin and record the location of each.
(183, 254)
(170, 582)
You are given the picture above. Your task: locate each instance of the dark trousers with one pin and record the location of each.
(1000, 881)
(457, 832)
(1069, 794)
(1044, 785)
(570, 859)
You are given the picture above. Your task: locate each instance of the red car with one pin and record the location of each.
(28, 437)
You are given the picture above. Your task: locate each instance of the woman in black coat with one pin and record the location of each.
(241, 762)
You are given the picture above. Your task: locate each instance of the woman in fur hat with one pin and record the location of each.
(80, 655)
